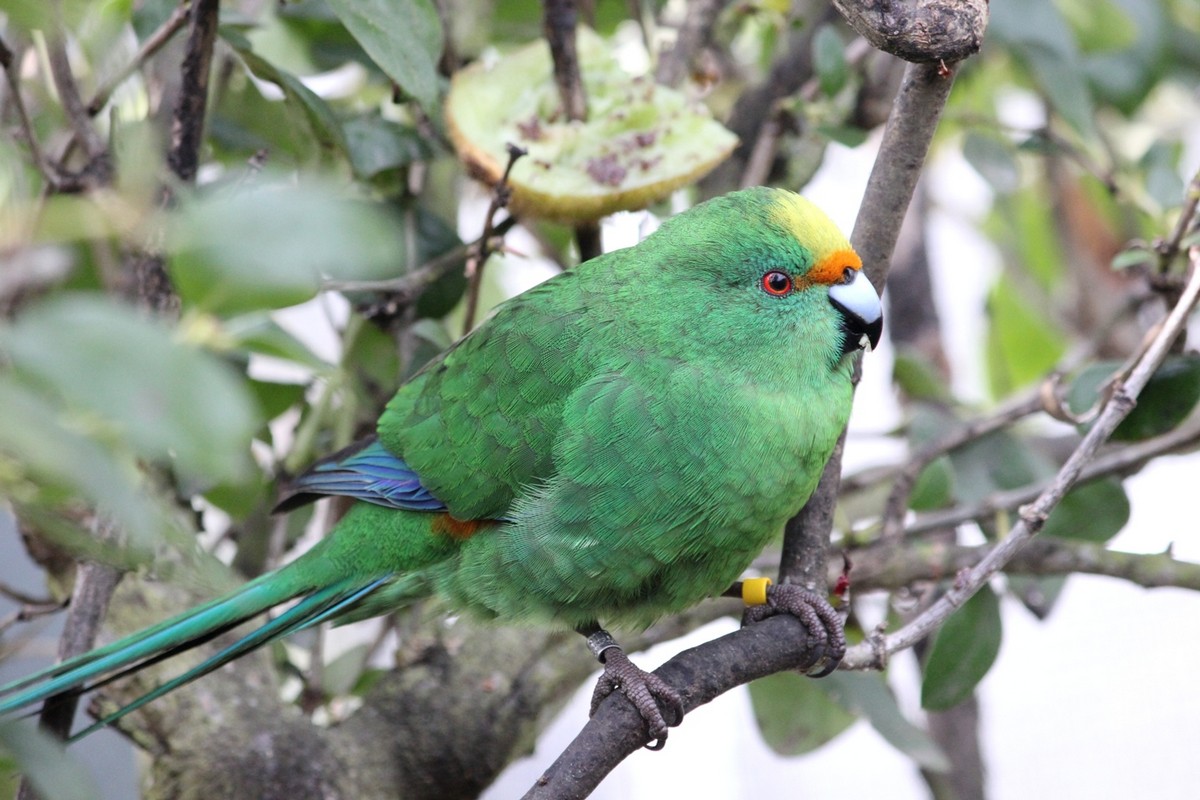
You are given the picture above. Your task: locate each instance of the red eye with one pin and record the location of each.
(777, 283)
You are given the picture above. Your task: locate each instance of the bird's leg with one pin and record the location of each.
(644, 689)
(826, 631)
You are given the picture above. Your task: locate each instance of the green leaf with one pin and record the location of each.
(270, 245)
(917, 377)
(995, 462)
(993, 160)
(794, 714)
(1167, 400)
(54, 773)
(934, 487)
(1022, 346)
(1131, 257)
(962, 652)
(404, 37)
(166, 399)
(867, 695)
(1100, 25)
(1036, 32)
(377, 144)
(1091, 512)
(322, 122)
(1161, 166)
(258, 333)
(829, 60)
(48, 465)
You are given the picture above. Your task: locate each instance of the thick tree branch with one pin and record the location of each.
(888, 565)
(920, 31)
(94, 585)
(906, 139)
(701, 674)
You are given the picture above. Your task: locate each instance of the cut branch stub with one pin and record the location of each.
(920, 31)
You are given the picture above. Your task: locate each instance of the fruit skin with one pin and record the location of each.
(640, 142)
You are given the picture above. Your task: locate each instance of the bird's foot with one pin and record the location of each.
(644, 689)
(826, 631)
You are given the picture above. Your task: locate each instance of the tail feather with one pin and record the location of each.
(312, 610)
(183, 632)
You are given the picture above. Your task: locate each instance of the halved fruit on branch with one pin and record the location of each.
(640, 142)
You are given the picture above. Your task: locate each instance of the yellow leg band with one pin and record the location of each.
(754, 591)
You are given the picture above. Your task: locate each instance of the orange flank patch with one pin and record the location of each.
(459, 528)
(829, 269)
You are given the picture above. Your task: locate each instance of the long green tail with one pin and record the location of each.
(185, 631)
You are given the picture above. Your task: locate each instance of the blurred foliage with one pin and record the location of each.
(325, 157)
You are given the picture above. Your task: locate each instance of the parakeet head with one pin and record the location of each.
(769, 262)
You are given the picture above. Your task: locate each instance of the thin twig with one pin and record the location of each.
(150, 46)
(897, 502)
(410, 285)
(7, 60)
(15, 594)
(766, 145)
(500, 197)
(1116, 462)
(693, 34)
(873, 654)
(1187, 220)
(558, 24)
(68, 90)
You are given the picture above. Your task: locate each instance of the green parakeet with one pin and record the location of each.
(613, 445)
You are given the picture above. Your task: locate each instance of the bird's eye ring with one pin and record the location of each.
(777, 283)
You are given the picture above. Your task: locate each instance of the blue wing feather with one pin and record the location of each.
(365, 471)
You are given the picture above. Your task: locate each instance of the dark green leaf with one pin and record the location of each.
(994, 462)
(1166, 401)
(1133, 257)
(404, 37)
(377, 144)
(917, 377)
(829, 60)
(962, 652)
(322, 122)
(934, 487)
(867, 695)
(993, 160)
(1091, 512)
(794, 715)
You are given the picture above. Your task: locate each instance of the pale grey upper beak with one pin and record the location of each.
(862, 313)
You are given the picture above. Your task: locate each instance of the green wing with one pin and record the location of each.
(478, 423)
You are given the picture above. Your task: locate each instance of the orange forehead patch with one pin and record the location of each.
(829, 270)
(458, 528)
